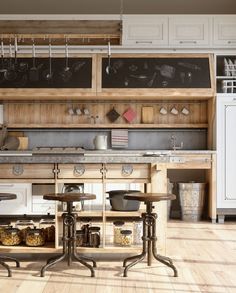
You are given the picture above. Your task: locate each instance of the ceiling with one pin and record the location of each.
(113, 7)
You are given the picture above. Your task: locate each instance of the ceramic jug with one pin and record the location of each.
(100, 142)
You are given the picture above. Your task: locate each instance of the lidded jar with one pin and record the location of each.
(35, 237)
(48, 228)
(24, 225)
(117, 227)
(137, 231)
(94, 236)
(4, 225)
(126, 237)
(11, 236)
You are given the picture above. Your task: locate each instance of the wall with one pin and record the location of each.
(113, 7)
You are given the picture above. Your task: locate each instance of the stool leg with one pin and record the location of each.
(6, 267)
(8, 258)
(85, 258)
(85, 264)
(51, 263)
(163, 259)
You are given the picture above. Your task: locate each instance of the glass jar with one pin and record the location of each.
(35, 237)
(118, 226)
(126, 237)
(138, 231)
(80, 238)
(48, 228)
(4, 225)
(11, 236)
(94, 236)
(24, 225)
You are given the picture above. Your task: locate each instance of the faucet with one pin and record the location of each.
(173, 143)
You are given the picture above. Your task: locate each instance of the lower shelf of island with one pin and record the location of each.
(107, 213)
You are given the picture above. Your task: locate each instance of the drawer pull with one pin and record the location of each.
(17, 170)
(127, 170)
(79, 170)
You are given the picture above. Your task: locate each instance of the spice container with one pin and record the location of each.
(94, 236)
(118, 226)
(24, 226)
(3, 225)
(35, 237)
(48, 228)
(80, 238)
(126, 237)
(138, 232)
(11, 236)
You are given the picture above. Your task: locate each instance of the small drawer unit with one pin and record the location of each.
(27, 171)
(70, 171)
(127, 171)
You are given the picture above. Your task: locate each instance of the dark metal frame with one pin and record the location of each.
(149, 243)
(69, 244)
(4, 258)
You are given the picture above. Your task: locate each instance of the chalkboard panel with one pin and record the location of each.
(156, 73)
(21, 75)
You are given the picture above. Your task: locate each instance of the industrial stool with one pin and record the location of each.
(69, 231)
(149, 237)
(3, 258)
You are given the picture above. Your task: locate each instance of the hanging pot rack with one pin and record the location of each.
(77, 32)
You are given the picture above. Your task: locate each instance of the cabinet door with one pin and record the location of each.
(226, 155)
(143, 30)
(20, 205)
(224, 34)
(189, 31)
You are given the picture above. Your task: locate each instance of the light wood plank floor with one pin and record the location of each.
(204, 253)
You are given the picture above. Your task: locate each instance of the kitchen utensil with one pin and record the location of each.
(66, 73)
(10, 143)
(109, 68)
(147, 114)
(129, 115)
(151, 81)
(140, 76)
(166, 70)
(2, 69)
(100, 142)
(77, 66)
(48, 74)
(3, 135)
(33, 72)
(10, 74)
(118, 203)
(189, 65)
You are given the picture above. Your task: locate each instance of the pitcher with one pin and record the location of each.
(100, 142)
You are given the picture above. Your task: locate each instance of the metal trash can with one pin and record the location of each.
(192, 198)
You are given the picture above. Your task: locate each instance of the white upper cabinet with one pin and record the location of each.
(224, 31)
(145, 30)
(189, 31)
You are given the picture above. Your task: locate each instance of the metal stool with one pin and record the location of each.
(149, 237)
(3, 258)
(69, 231)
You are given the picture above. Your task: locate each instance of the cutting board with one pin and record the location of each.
(147, 115)
(24, 142)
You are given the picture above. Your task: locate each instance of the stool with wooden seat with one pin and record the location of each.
(3, 258)
(149, 237)
(69, 231)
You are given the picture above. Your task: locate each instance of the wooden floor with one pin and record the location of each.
(204, 253)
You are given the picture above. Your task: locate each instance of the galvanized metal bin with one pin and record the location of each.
(192, 198)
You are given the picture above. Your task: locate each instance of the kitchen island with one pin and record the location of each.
(145, 167)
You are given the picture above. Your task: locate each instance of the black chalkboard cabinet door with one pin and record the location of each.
(169, 73)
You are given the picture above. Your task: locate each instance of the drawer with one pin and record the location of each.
(80, 171)
(25, 171)
(127, 171)
(190, 162)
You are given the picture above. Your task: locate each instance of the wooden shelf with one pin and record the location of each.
(89, 214)
(50, 247)
(123, 213)
(129, 126)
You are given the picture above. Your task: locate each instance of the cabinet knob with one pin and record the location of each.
(17, 170)
(79, 170)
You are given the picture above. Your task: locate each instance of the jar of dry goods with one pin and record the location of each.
(80, 237)
(24, 225)
(138, 231)
(126, 237)
(35, 237)
(94, 236)
(11, 236)
(48, 228)
(3, 225)
(117, 227)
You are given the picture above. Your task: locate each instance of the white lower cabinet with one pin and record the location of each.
(20, 205)
(226, 154)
